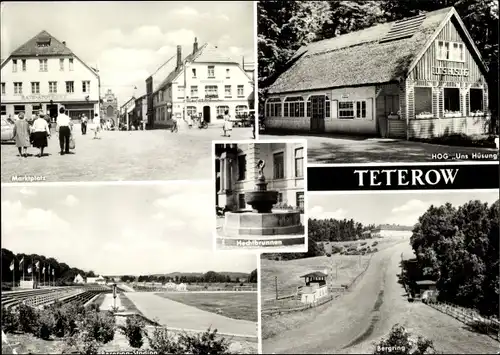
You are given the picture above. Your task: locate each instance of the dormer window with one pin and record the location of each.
(45, 42)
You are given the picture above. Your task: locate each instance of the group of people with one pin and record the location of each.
(37, 131)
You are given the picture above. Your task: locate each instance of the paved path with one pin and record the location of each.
(353, 322)
(178, 315)
(123, 156)
(126, 288)
(107, 303)
(343, 150)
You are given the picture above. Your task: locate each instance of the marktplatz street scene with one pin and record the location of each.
(123, 100)
(138, 273)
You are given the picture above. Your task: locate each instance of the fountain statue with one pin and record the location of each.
(261, 199)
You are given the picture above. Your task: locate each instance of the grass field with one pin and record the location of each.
(232, 305)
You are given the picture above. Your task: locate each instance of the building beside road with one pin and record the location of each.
(205, 83)
(315, 287)
(44, 74)
(391, 230)
(109, 107)
(79, 280)
(419, 77)
(127, 112)
(236, 172)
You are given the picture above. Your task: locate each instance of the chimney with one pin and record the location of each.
(179, 56)
(195, 45)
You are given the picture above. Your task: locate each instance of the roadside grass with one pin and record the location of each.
(233, 305)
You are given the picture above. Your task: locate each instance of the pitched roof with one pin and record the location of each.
(315, 274)
(31, 48)
(357, 58)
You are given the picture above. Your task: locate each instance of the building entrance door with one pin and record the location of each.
(52, 111)
(206, 114)
(318, 113)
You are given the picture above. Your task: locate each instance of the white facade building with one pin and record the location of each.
(44, 74)
(384, 231)
(96, 280)
(79, 280)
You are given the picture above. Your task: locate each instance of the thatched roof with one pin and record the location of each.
(357, 58)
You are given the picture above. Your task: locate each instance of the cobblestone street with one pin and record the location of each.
(121, 156)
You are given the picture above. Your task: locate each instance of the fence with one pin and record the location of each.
(489, 326)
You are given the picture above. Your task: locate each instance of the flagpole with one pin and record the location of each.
(13, 274)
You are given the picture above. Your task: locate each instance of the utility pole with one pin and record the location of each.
(276, 285)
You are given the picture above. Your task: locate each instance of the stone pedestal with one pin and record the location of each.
(266, 225)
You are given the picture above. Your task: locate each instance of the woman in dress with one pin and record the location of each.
(40, 132)
(228, 125)
(22, 135)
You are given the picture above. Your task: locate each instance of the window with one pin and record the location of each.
(194, 91)
(14, 65)
(327, 106)
(299, 162)
(228, 75)
(36, 109)
(161, 95)
(241, 201)
(70, 87)
(242, 167)
(53, 87)
(280, 198)
(452, 51)
(452, 100)
(273, 108)
(221, 110)
(278, 166)
(61, 64)
(18, 109)
(227, 91)
(423, 101)
(18, 88)
(86, 86)
(4, 110)
(211, 71)
(300, 200)
(475, 97)
(239, 109)
(194, 73)
(23, 63)
(35, 87)
(241, 91)
(180, 92)
(294, 107)
(346, 109)
(360, 109)
(191, 110)
(70, 63)
(43, 64)
(3, 88)
(211, 91)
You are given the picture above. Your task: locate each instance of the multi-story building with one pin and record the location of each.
(127, 112)
(109, 106)
(236, 172)
(205, 83)
(44, 74)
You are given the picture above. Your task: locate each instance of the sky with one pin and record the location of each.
(391, 208)
(129, 41)
(119, 229)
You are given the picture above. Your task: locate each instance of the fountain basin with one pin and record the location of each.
(262, 224)
(261, 201)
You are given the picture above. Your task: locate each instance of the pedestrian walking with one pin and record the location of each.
(228, 125)
(22, 135)
(96, 126)
(84, 124)
(64, 125)
(41, 132)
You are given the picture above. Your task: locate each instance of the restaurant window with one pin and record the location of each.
(452, 51)
(300, 200)
(194, 91)
(70, 63)
(294, 106)
(242, 167)
(23, 64)
(4, 110)
(61, 64)
(346, 110)
(221, 110)
(86, 86)
(14, 65)
(451, 100)
(35, 87)
(43, 64)
(241, 201)
(18, 88)
(211, 91)
(278, 166)
(241, 92)
(18, 109)
(52, 87)
(273, 107)
(191, 110)
(299, 162)
(70, 87)
(476, 100)
(360, 109)
(211, 71)
(423, 100)
(3, 88)
(227, 91)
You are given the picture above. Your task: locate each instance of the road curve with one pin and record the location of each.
(178, 315)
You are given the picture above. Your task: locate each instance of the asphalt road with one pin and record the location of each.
(178, 315)
(353, 322)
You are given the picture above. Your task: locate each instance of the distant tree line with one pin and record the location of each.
(459, 249)
(334, 230)
(208, 277)
(314, 249)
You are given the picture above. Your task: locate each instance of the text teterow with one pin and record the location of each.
(405, 177)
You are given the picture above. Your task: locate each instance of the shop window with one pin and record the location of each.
(278, 166)
(240, 110)
(476, 100)
(18, 109)
(227, 91)
(241, 201)
(221, 110)
(300, 200)
(452, 100)
(191, 110)
(35, 87)
(423, 100)
(242, 167)
(452, 51)
(346, 110)
(299, 162)
(294, 106)
(273, 108)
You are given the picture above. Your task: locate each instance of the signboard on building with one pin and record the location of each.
(450, 71)
(37, 97)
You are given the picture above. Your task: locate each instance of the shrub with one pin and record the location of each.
(28, 318)
(336, 249)
(374, 243)
(134, 331)
(400, 342)
(161, 342)
(363, 243)
(10, 322)
(66, 318)
(99, 327)
(205, 343)
(374, 250)
(328, 254)
(81, 343)
(45, 324)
